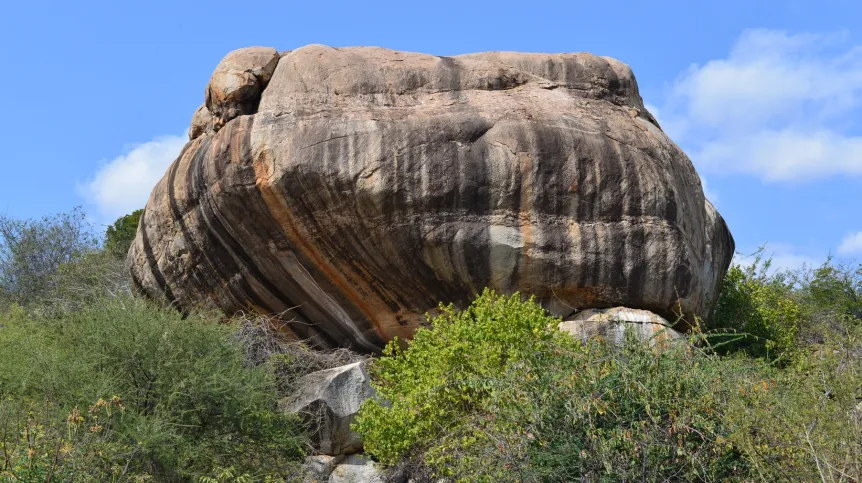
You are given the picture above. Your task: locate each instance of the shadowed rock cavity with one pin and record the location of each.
(351, 190)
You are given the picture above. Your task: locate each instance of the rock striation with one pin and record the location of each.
(353, 189)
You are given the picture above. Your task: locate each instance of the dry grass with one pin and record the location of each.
(291, 359)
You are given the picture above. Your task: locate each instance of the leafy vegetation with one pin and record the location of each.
(497, 393)
(173, 397)
(756, 309)
(99, 385)
(33, 251)
(120, 235)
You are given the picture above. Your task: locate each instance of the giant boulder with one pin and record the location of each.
(351, 190)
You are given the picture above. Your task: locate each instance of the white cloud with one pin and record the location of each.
(124, 184)
(851, 245)
(710, 194)
(667, 126)
(779, 107)
(793, 261)
(785, 155)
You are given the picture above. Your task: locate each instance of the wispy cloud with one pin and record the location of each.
(123, 184)
(669, 127)
(782, 257)
(779, 107)
(851, 244)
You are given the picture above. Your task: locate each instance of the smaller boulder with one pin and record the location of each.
(613, 324)
(238, 82)
(356, 469)
(202, 122)
(330, 401)
(319, 467)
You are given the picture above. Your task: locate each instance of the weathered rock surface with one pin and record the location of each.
(356, 469)
(331, 400)
(354, 189)
(237, 83)
(319, 467)
(613, 324)
(202, 121)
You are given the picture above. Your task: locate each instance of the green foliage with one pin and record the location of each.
(54, 264)
(804, 423)
(758, 309)
(448, 371)
(190, 403)
(32, 252)
(38, 446)
(120, 235)
(96, 385)
(830, 290)
(498, 393)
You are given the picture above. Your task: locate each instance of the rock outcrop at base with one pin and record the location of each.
(614, 324)
(351, 190)
(330, 400)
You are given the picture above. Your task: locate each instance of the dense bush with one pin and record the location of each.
(756, 309)
(773, 314)
(827, 293)
(55, 264)
(804, 423)
(124, 390)
(99, 385)
(497, 393)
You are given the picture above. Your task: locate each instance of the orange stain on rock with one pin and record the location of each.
(280, 211)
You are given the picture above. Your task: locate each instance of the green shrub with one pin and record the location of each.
(190, 403)
(120, 235)
(758, 309)
(804, 423)
(497, 393)
(830, 290)
(38, 446)
(447, 371)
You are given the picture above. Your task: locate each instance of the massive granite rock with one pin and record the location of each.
(353, 189)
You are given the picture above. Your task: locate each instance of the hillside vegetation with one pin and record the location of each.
(97, 384)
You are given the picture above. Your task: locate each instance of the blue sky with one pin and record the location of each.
(765, 96)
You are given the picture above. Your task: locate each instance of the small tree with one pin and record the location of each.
(33, 251)
(120, 235)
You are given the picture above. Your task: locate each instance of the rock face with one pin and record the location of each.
(356, 469)
(350, 469)
(613, 324)
(354, 189)
(331, 399)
